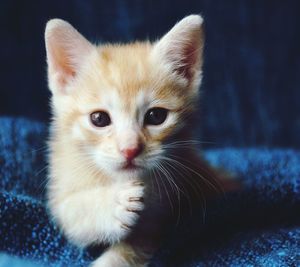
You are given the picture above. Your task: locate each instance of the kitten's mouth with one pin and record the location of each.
(130, 166)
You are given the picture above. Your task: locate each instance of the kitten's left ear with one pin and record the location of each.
(66, 51)
(181, 48)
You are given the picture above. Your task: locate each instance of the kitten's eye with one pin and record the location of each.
(100, 118)
(155, 116)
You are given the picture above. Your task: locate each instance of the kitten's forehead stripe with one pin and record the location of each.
(126, 66)
(128, 70)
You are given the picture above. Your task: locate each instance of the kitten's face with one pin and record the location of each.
(120, 105)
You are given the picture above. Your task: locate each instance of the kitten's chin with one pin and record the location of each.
(129, 173)
(131, 169)
(123, 171)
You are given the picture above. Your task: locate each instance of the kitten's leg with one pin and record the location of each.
(121, 255)
(99, 215)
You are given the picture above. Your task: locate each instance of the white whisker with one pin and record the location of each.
(163, 183)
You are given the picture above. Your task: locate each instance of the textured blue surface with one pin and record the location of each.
(258, 226)
(10, 261)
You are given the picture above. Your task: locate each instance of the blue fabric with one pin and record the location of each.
(258, 226)
(252, 59)
(10, 261)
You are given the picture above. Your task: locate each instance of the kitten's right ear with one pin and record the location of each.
(66, 49)
(181, 49)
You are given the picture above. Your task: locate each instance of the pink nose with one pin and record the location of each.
(131, 153)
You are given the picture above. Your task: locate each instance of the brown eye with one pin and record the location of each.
(155, 116)
(100, 118)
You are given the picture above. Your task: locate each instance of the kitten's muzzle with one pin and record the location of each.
(131, 153)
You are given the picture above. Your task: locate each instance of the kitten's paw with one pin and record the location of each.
(120, 255)
(130, 203)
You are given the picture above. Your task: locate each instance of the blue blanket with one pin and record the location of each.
(258, 226)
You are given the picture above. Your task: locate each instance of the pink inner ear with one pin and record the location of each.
(68, 72)
(188, 62)
(64, 79)
(60, 67)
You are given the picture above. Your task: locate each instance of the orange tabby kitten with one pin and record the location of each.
(119, 155)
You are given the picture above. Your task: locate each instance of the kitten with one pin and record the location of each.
(120, 154)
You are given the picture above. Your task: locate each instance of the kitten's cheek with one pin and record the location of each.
(77, 133)
(101, 163)
(105, 165)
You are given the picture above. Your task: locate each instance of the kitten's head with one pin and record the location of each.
(119, 105)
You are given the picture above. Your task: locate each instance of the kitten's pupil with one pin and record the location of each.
(100, 118)
(155, 116)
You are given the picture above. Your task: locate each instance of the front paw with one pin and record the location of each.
(130, 203)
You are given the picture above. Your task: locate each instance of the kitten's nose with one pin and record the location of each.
(132, 152)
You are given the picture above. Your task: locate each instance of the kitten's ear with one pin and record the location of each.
(66, 49)
(181, 48)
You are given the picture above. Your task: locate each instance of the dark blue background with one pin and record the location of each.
(251, 87)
